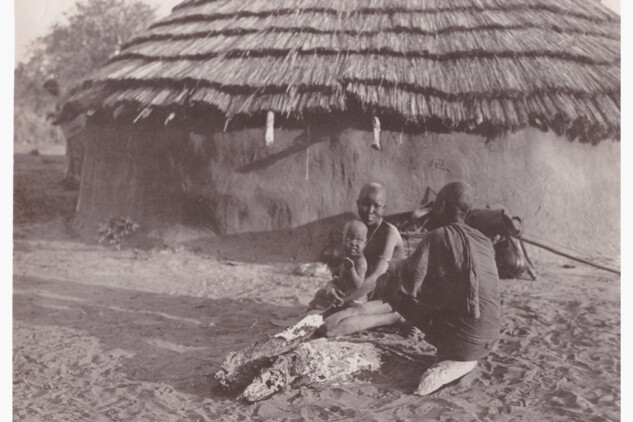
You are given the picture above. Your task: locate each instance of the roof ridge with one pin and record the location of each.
(454, 55)
(396, 30)
(312, 69)
(342, 85)
(325, 10)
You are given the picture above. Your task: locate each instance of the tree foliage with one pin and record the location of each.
(91, 33)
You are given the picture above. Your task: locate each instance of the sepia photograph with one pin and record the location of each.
(316, 210)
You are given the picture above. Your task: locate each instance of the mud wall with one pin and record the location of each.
(566, 192)
(129, 171)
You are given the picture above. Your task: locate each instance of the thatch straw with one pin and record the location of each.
(470, 64)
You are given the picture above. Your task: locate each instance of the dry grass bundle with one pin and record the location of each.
(470, 64)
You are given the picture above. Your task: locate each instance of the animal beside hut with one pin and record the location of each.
(260, 115)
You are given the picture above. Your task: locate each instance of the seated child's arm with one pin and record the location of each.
(356, 276)
(380, 266)
(356, 270)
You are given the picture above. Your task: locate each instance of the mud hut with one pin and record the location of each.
(251, 115)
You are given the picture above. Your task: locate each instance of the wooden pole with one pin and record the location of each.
(170, 118)
(584, 261)
(376, 141)
(270, 127)
(143, 114)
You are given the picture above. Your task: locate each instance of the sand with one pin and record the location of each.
(136, 334)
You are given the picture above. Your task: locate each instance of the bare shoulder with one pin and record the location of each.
(392, 231)
(394, 240)
(393, 235)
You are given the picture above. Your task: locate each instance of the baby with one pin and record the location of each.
(350, 275)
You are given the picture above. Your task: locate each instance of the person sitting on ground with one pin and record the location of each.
(448, 288)
(350, 275)
(384, 245)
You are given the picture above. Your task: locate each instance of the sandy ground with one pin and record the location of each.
(137, 334)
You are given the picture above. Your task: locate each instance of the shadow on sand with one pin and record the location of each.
(305, 243)
(177, 340)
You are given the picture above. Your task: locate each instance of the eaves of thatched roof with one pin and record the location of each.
(469, 65)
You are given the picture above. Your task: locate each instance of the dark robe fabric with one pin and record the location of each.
(449, 288)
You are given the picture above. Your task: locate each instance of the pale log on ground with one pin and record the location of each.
(239, 367)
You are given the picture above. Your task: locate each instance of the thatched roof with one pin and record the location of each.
(465, 65)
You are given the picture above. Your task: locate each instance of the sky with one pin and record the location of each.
(34, 17)
(612, 4)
